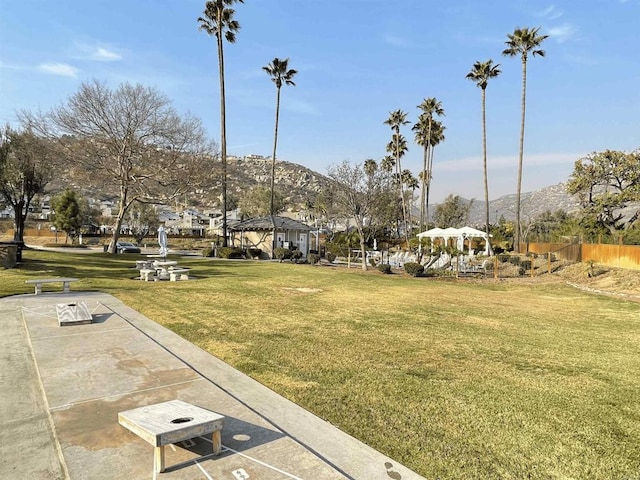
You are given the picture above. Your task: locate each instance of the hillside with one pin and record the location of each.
(300, 184)
(554, 197)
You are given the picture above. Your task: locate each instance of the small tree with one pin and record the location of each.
(257, 202)
(453, 212)
(142, 220)
(359, 195)
(67, 214)
(606, 183)
(26, 166)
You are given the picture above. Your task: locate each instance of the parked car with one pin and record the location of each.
(127, 247)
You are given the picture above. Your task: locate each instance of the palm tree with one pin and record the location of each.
(437, 137)
(430, 107)
(370, 167)
(395, 120)
(412, 183)
(481, 73)
(218, 20)
(522, 42)
(280, 74)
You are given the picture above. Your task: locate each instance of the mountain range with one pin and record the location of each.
(300, 184)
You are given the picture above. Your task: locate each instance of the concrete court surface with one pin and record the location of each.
(61, 389)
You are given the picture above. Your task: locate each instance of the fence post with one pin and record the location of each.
(495, 267)
(549, 262)
(532, 260)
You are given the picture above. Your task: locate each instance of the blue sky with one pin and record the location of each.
(357, 61)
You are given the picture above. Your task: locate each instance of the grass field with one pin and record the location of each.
(455, 379)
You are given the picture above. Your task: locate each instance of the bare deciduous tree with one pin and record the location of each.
(360, 194)
(129, 138)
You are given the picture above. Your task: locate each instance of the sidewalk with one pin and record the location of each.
(61, 389)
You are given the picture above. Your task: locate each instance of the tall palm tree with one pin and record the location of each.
(280, 74)
(437, 137)
(218, 20)
(430, 107)
(480, 74)
(523, 41)
(396, 119)
(411, 182)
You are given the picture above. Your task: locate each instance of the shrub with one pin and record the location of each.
(230, 252)
(526, 264)
(503, 257)
(296, 255)
(414, 269)
(208, 252)
(372, 262)
(330, 257)
(313, 258)
(254, 252)
(514, 260)
(282, 253)
(384, 268)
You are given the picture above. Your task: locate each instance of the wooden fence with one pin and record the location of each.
(622, 256)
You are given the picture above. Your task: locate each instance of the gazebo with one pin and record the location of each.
(459, 234)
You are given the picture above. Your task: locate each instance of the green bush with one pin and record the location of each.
(296, 255)
(330, 257)
(313, 258)
(372, 262)
(384, 268)
(254, 252)
(526, 264)
(504, 257)
(282, 253)
(414, 269)
(208, 252)
(230, 252)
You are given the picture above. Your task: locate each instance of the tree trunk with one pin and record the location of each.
(429, 165)
(422, 189)
(363, 250)
(122, 209)
(223, 132)
(516, 233)
(20, 217)
(430, 168)
(273, 169)
(400, 186)
(484, 164)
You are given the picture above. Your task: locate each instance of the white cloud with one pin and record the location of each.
(562, 32)
(102, 54)
(96, 53)
(551, 13)
(63, 69)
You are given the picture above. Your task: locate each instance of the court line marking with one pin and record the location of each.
(259, 462)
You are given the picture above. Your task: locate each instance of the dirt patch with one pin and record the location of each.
(303, 290)
(603, 279)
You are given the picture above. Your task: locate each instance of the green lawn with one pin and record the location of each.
(455, 379)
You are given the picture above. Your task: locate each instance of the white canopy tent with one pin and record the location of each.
(460, 234)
